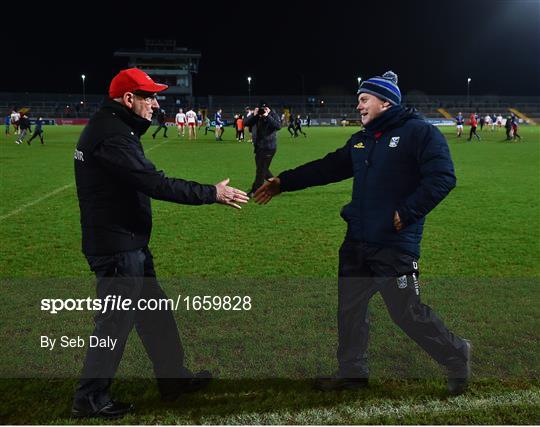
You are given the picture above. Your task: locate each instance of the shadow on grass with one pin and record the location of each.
(39, 401)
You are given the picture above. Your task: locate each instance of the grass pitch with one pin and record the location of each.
(480, 272)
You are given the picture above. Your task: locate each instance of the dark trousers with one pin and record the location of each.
(366, 269)
(299, 129)
(130, 275)
(263, 158)
(39, 133)
(473, 132)
(161, 126)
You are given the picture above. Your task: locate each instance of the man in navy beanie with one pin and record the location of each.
(401, 170)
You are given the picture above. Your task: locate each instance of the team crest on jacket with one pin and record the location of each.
(394, 141)
(402, 282)
(359, 145)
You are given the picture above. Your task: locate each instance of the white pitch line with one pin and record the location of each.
(350, 411)
(52, 193)
(35, 202)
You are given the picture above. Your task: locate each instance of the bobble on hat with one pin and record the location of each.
(390, 75)
(383, 87)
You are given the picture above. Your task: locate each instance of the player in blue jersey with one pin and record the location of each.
(219, 125)
(459, 124)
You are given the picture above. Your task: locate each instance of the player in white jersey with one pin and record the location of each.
(487, 121)
(499, 121)
(191, 117)
(14, 118)
(180, 122)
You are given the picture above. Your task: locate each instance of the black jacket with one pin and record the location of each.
(115, 182)
(399, 163)
(264, 130)
(24, 123)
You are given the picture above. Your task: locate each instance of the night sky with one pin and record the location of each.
(433, 46)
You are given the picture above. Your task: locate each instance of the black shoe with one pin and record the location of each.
(250, 194)
(182, 386)
(110, 410)
(336, 383)
(165, 136)
(458, 377)
(153, 136)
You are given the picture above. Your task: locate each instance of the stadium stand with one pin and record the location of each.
(330, 109)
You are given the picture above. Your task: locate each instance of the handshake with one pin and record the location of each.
(231, 196)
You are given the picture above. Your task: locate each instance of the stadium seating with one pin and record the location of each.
(319, 108)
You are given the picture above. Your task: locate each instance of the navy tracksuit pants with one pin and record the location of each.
(365, 269)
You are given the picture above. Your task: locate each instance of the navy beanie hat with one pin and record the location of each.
(384, 87)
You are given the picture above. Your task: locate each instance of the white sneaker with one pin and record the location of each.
(18, 142)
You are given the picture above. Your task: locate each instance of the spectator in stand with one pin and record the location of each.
(161, 119)
(38, 131)
(474, 124)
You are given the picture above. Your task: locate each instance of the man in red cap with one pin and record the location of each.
(115, 182)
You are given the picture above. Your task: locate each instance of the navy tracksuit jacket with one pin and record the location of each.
(399, 163)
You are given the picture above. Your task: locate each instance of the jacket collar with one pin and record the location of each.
(138, 124)
(390, 118)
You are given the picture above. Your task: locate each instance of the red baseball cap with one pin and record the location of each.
(131, 80)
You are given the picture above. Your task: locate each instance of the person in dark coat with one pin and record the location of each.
(292, 127)
(162, 123)
(264, 123)
(38, 131)
(402, 169)
(115, 182)
(24, 127)
(298, 126)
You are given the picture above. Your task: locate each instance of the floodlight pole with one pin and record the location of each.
(359, 81)
(303, 94)
(249, 91)
(83, 89)
(468, 91)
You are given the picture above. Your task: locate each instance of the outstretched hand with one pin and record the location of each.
(230, 196)
(268, 190)
(398, 225)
